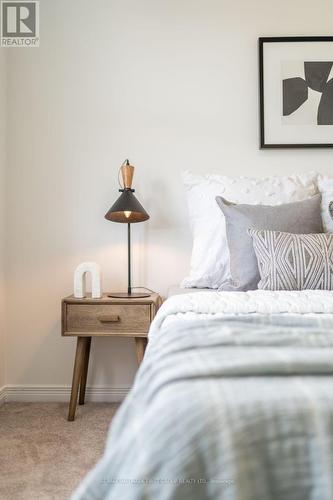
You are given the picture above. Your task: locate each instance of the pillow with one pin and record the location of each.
(325, 186)
(294, 261)
(299, 217)
(210, 256)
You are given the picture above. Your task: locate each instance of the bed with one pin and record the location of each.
(234, 397)
(233, 401)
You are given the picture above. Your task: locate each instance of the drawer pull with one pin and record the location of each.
(113, 318)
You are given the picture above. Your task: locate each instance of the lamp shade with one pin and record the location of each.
(127, 209)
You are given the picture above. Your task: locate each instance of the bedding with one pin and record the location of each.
(201, 306)
(299, 217)
(293, 261)
(230, 402)
(325, 185)
(177, 290)
(210, 256)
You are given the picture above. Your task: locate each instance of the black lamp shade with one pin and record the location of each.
(127, 209)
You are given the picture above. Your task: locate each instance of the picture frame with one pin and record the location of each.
(296, 92)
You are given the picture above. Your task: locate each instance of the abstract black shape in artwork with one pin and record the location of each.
(295, 93)
(325, 109)
(316, 74)
(296, 90)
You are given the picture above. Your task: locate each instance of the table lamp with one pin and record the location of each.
(128, 210)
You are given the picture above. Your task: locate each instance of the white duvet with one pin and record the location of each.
(203, 305)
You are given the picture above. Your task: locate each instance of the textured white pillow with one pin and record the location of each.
(325, 185)
(210, 255)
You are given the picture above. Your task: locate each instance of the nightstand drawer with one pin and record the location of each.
(108, 318)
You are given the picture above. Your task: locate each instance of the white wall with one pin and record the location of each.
(169, 84)
(2, 213)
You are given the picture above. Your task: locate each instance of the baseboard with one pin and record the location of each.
(2, 395)
(60, 393)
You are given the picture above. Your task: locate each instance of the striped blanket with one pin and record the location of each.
(233, 408)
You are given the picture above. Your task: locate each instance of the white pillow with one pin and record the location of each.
(325, 185)
(210, 255)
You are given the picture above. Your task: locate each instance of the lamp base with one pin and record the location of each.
(126, 295)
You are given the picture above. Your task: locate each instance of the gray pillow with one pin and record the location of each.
(294, 261)
(299, 217)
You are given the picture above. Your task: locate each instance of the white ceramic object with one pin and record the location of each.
(80, 276)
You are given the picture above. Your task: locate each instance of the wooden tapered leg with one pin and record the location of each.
(77, 375)
(84, 371)
(141, 344)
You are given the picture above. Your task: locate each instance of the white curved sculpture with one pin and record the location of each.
(80, 275)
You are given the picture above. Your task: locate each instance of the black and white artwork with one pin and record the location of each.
(307, 92)
(296, 92)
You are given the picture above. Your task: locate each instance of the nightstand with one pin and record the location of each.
(104, 317)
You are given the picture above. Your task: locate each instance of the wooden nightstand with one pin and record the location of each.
(104, 317)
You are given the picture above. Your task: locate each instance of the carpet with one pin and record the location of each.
(42, 455)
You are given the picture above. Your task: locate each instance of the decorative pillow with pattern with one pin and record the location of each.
(301, 217)
(293, 261)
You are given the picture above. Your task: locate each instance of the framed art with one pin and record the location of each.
(296, 92)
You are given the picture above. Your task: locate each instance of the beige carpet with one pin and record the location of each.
(42, 456)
